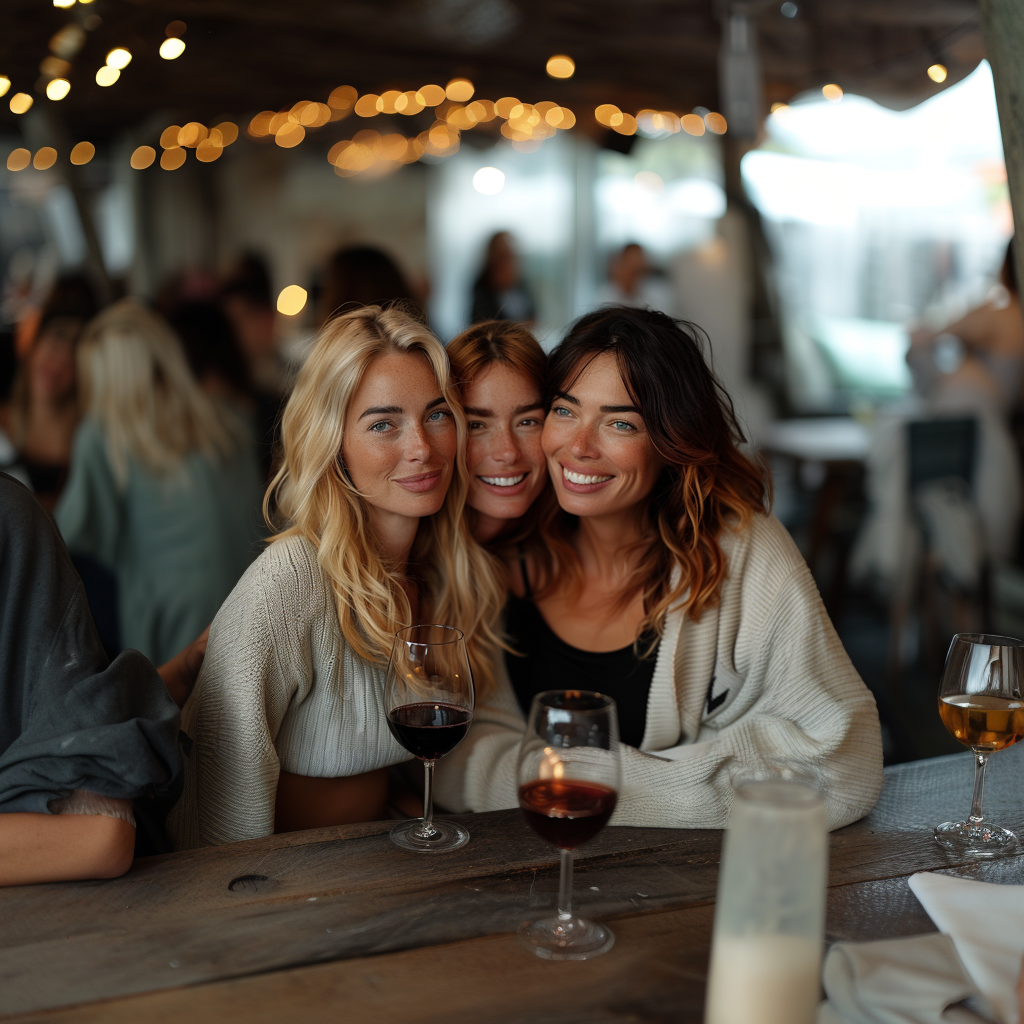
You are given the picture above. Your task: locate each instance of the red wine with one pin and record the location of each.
(567, 812)
(429, 730)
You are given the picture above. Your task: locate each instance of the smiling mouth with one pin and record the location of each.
(503, 481)
(580, 478)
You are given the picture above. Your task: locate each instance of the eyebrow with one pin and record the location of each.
(604, 408)
(518, 411)
(397, 410)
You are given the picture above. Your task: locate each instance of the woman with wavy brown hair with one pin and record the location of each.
(672, 589)
(287, 718)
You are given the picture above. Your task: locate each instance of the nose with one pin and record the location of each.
(584, 443)
(418, 448)
(505, 447)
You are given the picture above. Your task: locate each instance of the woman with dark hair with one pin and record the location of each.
(363, 276)
(499, 292)
(673, 590)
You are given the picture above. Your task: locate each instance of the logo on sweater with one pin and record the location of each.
(715, 702)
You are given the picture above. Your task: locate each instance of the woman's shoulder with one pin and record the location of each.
(288, 575)
(762, 552)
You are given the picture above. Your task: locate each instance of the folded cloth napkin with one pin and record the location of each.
(919, 980)
(986, 924)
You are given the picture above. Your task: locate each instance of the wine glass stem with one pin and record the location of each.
(980, 761)
(428, 799)
(565, 886)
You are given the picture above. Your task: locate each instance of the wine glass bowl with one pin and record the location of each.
(429, 699)
(568, 781)
(981, 705)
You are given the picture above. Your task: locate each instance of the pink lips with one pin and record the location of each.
(420, 484)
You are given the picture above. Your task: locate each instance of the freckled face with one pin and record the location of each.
(400, 441)
(600, 457)
(506, 464)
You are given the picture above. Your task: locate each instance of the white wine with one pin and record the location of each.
(983, 722)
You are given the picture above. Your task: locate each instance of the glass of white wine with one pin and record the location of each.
(980, 703)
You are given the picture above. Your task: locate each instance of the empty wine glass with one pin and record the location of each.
(980, 703)
(568, 778)
(429, 701)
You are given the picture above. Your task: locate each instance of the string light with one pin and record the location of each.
(5, 84)
(18, 159)
(172, 48)
(63, 4)
(107, 75)
(20, 103)
(561, 66)
(937, 72)
(119, 58)
(172, 159)
(82, 153)
(459, 90)
(45, 158)
(716, 123)
(431, 95)
(57, 89)
(832, 92)
(142, 158)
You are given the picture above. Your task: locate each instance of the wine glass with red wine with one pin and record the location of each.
(429, 700)
(568, 778)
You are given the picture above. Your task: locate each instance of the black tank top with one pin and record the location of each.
(546, 662)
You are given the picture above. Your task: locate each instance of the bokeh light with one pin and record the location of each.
(172, 159)
(259, 126)
(63, 4)
(409, 103)
(192, 134)
(938, 72)
(175, 28)
(45, 158)
(228, 132)
(292, 300)
(625, 124)
(5, 84)
(561, 66)
(608, 114)
(489, 181)
(366, 105)
(172, 48)
(57, 89)
(459, 90)
(776, 107)
(20, 102)
(431, 95)
(82, 153)
(505, 106)
(693, 124)
(107, 76)
(342, 100)
(716, 123)
(18, 159)
(143, 157)
(119, 58)
(169, 137)
(289, 135)
(209, 150)
(832, 92)
(386, 101)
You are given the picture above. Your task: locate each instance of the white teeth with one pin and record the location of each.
(504, 481)
(579, 478)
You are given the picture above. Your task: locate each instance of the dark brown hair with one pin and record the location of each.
(707, 484)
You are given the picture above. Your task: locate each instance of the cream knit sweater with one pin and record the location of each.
(280, 689)
(760, 680)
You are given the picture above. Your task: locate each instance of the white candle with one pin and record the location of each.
(763, 979)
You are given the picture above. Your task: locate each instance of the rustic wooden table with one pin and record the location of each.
(339, 924)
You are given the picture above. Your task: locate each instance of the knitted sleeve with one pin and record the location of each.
(258, 661)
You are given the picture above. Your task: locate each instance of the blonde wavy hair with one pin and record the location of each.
(312, 497)
(135, 380)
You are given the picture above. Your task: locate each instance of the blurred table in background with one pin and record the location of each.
(339, 924)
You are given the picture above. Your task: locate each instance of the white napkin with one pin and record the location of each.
(986, 924)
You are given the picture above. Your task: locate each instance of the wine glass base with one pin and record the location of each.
(444, 836)
(574, 938)
(975, 840)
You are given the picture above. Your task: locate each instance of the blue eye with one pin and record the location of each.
(380, 426)
(623, 425)
(439, 414)
(560, 410)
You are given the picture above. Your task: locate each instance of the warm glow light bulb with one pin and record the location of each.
(107, 75)
(20, 102)
(82, 153)
(937, 72)
(832, 92)
(171, 49)
(142, 158)
(489, 181)
(57, 89)
(119, 58)
(292, 300)
(5, 84)
(63, 3)
(561, 66)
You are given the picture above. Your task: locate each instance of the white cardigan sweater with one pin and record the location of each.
(280, 689)
(760, 680)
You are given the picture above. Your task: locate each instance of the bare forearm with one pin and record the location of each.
(63, 847)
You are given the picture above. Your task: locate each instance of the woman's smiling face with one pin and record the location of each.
(506, 464)
(600, 456)
(400, 442)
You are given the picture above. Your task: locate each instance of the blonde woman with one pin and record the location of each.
(287, 718)
(164, 490)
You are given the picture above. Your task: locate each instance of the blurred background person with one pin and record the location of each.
(39, 420)
(164, 490)
(499, 292)
(363, 275)
(632, 281)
